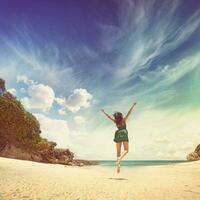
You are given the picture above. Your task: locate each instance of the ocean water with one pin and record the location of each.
(134, 163)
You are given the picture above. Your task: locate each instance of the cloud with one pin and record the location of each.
(149, 36)
(25, 79)
(39, 61)
(88, 143)
(58, 131)
(157, 87)
(54, 130)
(79, 120)
(22, 90)
(40, 97)
(173, 133)
(79, 98)
(153, 134)
(170, 74)
(12, 91)
(163, 139)
(62, 112)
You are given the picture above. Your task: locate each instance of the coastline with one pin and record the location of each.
(139, 163)
(33, 180)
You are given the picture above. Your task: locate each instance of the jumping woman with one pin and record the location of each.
(121, 135)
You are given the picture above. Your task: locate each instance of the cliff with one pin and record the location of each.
(20, 135)
(194, 155)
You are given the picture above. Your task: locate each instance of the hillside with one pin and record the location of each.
(20, 135)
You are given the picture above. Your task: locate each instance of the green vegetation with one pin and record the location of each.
(20, 134)
(19, 125)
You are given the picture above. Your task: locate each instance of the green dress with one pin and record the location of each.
(121, 135)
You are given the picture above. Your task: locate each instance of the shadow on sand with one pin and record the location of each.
(120, 179)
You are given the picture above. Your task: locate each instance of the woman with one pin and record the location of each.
(121, 135)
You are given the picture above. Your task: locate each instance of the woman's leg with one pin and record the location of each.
(118, 146)
(125, 144)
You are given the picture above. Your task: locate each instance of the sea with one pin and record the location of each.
(137, 163)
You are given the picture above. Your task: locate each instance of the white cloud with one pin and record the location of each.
(79, 120)
(54, 130)
(12, 91)
(153, 134)
(172, 133)
(163, 139)
(40, 97)
(62, 112)
(25, 79)
(59, 132)
(79, 98)
(61, 101)
(88, 143)
(166, 135)
(168, 75)
(22, 90)
(159, 154)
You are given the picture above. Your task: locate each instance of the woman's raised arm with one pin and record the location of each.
(129, 112)
(107, 115)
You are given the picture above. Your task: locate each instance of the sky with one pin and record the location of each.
(66, 60)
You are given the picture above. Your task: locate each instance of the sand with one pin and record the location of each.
(31, 180)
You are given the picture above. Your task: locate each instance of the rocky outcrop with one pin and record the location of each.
(79, 162)
(20, 135)
(194, 155)
(12, 151)
(2, 87)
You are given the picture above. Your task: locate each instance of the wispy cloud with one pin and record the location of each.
(165, 76)
(39, 61)
(148, 34)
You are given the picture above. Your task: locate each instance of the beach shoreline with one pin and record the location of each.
(32, 180)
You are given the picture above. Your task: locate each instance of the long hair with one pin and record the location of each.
(118, 117)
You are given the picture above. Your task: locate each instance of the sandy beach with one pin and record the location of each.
(33, 180)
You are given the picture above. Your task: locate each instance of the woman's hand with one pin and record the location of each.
(108, 115)
(134, 103)
(102, 110)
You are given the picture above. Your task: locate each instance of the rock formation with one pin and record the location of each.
(2, 87)
(20, 135)
(194, 155)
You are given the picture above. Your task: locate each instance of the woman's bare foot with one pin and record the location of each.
(118, 166)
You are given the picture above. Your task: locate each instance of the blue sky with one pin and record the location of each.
(66, 60)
